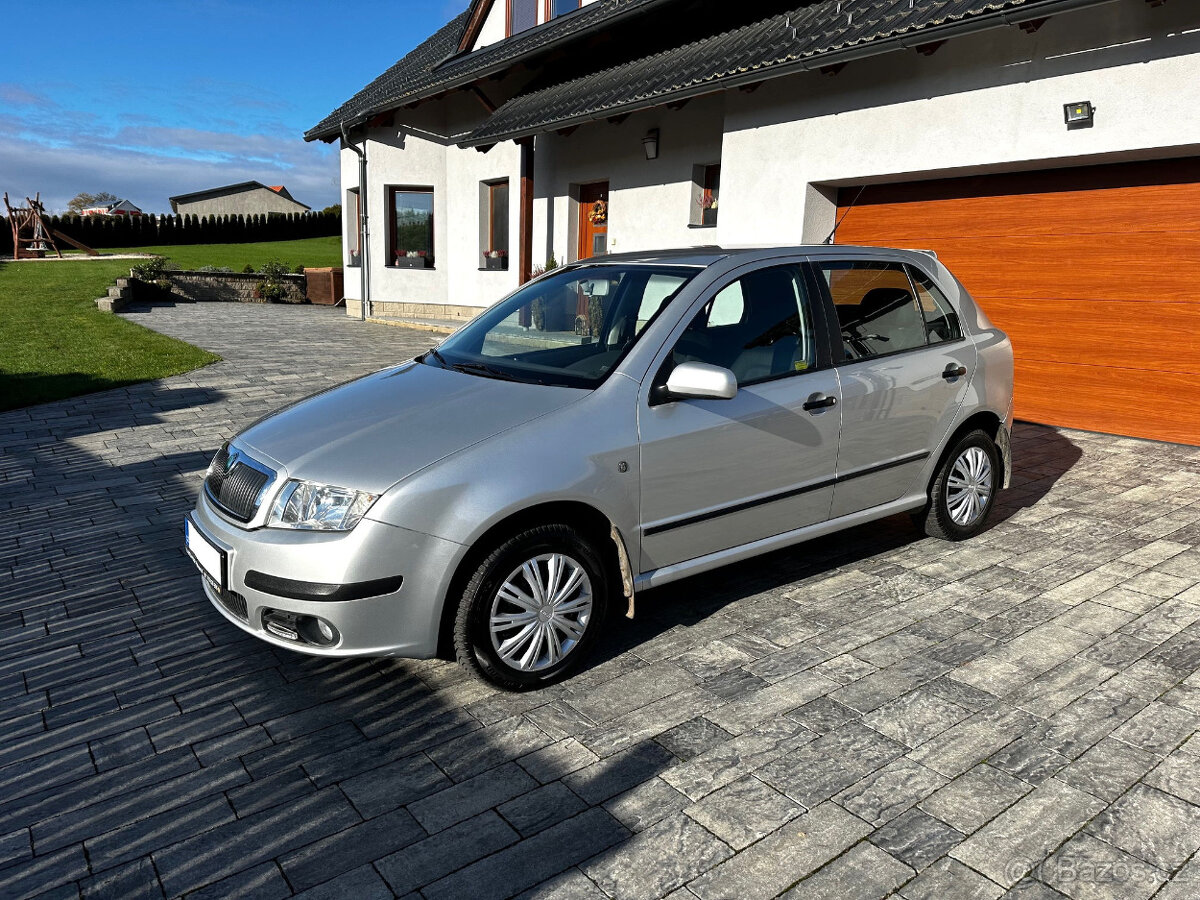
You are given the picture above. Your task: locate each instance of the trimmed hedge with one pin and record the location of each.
(103, 232)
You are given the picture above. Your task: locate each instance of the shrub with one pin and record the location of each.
(151, 269)
(248, 269)
(223, 269)
(272, 287)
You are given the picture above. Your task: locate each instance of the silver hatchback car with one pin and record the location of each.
(609, 427)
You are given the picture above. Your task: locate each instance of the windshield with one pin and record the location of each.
(570, 328)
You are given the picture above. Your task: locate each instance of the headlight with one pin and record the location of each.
(319, 507)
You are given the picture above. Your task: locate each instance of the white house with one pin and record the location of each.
(1047, 150)
(115, 208)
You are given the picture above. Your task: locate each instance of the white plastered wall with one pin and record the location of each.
(988, 103)
(649, 200)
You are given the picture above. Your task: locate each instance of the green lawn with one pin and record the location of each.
(311, 252)
(54, 343)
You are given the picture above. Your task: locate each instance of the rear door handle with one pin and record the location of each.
(819, 401)
(953, 371)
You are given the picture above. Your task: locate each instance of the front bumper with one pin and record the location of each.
(404, 622)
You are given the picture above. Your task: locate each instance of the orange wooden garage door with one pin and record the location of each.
(1093, 272)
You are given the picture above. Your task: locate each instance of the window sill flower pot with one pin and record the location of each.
(413, 262)
(495, 263)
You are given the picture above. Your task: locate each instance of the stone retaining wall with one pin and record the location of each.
(230, 287)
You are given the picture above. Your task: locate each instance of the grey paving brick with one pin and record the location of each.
(144, 836)
(1090, 869)
(1108, 769)
(974, 798)
(916, 717)
(887, 792)
(363, 883)
(950, 878)
(739, 756)
(428, 860)
(863, 872)
(915, 838)
(391, 786)
(1022, 836)
(1154, 826)
(533, 860)
(136, 880)
(617, 773)
(263, 882)
(658, 860)
(569, 885)
(744, 811)
(233, 847)
(541, 808)
(645, 804)
(465, 799)
(693, 737)
(15, 847)
(1158, 729)
(781, 859)
(351, 849)
(831, 763)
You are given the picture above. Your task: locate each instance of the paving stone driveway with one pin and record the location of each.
(871, 713)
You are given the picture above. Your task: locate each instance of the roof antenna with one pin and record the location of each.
(838, 223)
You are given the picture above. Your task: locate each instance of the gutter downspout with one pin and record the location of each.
(364, 232)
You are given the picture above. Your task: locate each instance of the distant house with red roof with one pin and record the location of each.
(245, 198)
(116, 208)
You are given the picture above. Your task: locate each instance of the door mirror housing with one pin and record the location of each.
(700, 381)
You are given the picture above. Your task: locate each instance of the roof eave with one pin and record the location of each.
(814, 61)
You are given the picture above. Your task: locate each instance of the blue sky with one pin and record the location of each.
(151, 99)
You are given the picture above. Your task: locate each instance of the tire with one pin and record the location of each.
(964, 490)
(538, 646)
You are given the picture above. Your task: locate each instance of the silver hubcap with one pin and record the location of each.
(541, 612)
(969, 486)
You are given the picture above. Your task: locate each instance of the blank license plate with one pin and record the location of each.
(209, 557)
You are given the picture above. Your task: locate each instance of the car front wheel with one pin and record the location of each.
(532, 609)
(964, 489)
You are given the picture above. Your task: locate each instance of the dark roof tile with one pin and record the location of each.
(781, 42)
(434, 67)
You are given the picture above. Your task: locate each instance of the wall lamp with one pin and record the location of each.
(650, 143)
(1079, 115)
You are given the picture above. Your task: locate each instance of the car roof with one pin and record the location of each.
(703, 256)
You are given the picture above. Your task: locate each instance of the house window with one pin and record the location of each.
(411, 226)
(522, 15)
(494, 224)
(556, 8)
(351, 213)
(706, 186)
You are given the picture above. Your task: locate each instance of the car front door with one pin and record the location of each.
(721, 473)
(903, 375)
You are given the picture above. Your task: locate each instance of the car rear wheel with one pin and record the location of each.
(964, 489)
(533, 608)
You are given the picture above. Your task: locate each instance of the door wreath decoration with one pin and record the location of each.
(598, 214)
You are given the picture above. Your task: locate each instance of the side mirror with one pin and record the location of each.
(701, 381)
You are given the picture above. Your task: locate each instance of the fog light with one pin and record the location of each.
(326, 630)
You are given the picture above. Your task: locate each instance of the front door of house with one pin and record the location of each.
(593, 219)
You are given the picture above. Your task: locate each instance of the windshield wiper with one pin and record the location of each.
(484, 369)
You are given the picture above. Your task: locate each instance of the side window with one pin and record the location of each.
(875, 306)
(941, 321)
(660, 289)
(759, 326)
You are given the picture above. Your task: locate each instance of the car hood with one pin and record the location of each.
(375, 431)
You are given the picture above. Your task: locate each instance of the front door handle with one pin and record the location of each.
(819, 401)
(953, 371)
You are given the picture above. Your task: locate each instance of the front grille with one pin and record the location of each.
(216, 471)
(231, 600)
(235, 488)
(235, 603)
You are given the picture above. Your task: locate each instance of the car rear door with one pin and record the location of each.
(903, 374)
(721, 473)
